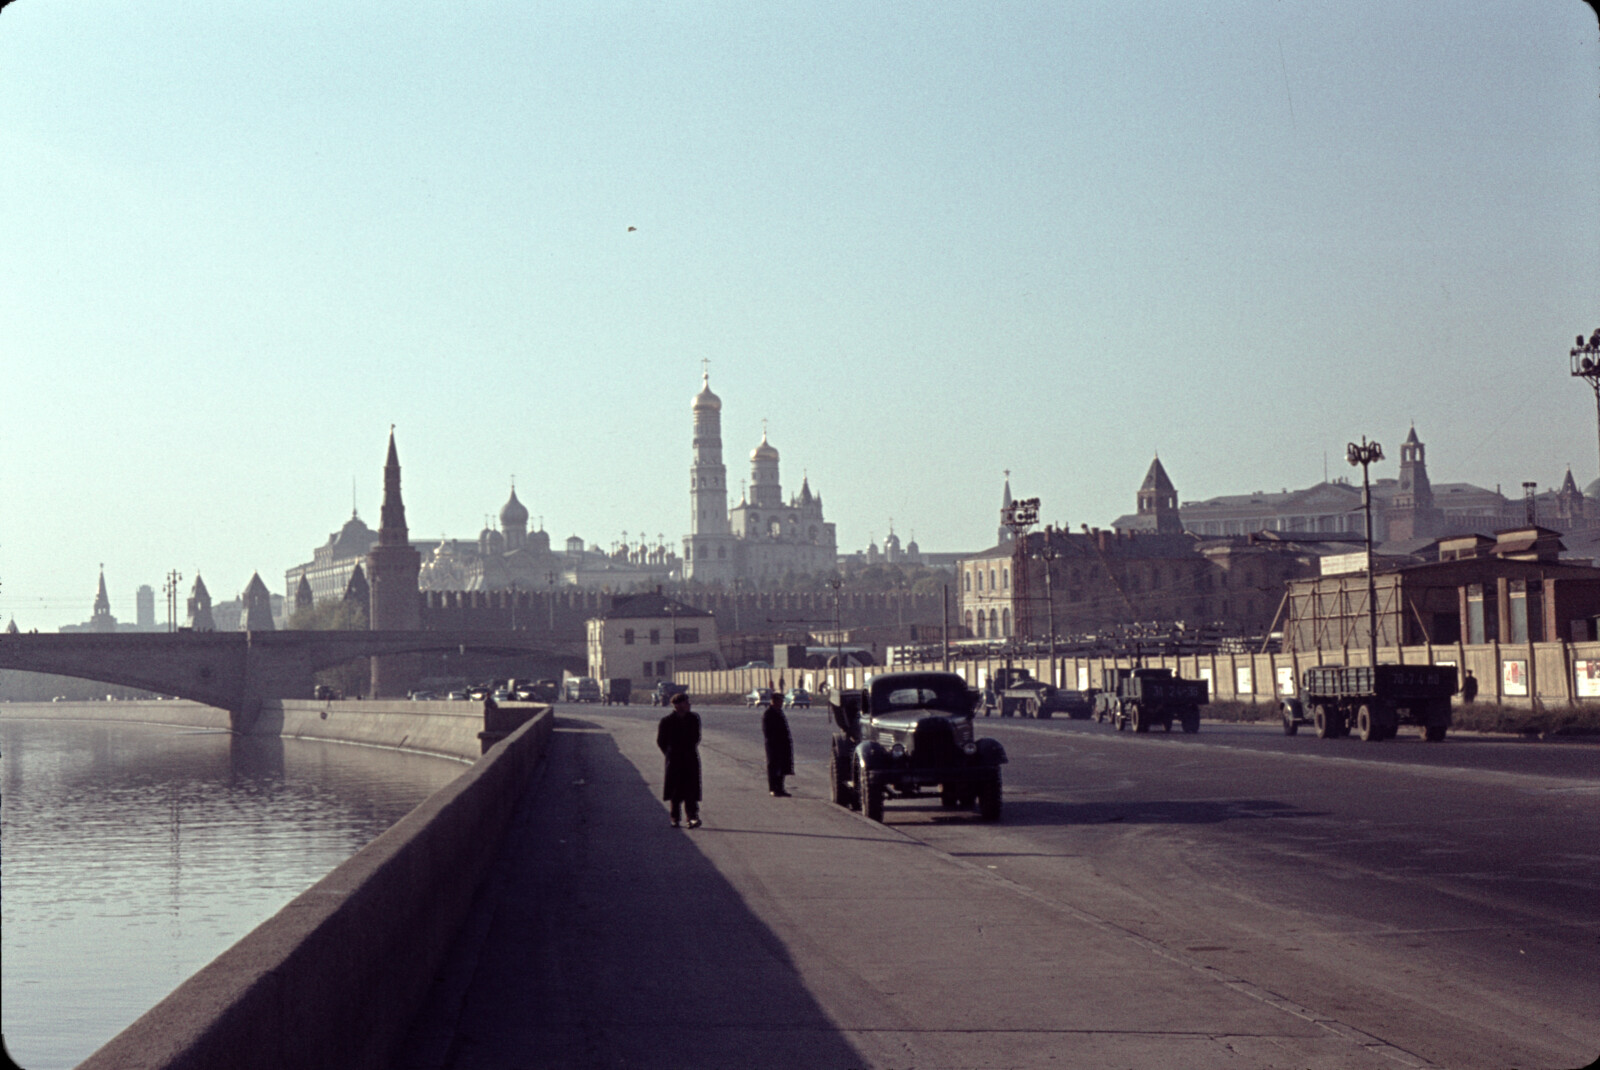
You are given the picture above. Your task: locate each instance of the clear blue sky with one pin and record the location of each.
(927, 242)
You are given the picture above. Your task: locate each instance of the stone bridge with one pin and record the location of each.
(236, 671)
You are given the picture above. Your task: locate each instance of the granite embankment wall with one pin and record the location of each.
(336, 977)
(446, 729)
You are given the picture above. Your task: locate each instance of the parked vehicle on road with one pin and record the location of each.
(535, 690)
(616, 690)
(1013, 692)
(797, 697)
(1372, 701)
(665, 689)
(1139, 698)
(907, 732)
(580, 689)
(758, 696)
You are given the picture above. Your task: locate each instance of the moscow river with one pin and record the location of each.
(133, 854)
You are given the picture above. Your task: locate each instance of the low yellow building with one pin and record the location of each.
(646, 638)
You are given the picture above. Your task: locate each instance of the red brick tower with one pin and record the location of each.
(392, 567)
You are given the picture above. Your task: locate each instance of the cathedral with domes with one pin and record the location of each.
(763, 538)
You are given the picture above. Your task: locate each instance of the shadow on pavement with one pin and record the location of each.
(609, 940)
(1023, 811)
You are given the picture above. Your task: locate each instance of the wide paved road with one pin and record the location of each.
(1231, 899)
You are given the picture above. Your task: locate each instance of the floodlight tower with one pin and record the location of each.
(1365, 454)
(1019, 517)
(1586, 365)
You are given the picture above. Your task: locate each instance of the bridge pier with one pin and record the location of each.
(270, 673)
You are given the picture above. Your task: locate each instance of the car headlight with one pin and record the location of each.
(898, 750)
(969, 749)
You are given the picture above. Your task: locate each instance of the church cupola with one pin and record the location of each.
(765, 490)
(514, 520)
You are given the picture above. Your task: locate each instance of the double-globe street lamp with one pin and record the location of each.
(1365, 454)
(1586, 365)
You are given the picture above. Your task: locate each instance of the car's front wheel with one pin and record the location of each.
(989, 797)
(839, 773)
(874, 793)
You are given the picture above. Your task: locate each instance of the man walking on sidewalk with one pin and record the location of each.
(679, 739)
(780, 745)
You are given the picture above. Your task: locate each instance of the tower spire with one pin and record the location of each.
(392, 518)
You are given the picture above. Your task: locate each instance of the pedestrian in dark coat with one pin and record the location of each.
(679, 739)
(780, 745)
(1469, 687)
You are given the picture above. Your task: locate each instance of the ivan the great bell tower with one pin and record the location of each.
(710, 548)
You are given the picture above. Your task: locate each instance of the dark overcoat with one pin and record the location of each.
(780, 745)
(679, 739)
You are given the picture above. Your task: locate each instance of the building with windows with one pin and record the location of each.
(1408, 508)
(648, 637)
(1105, 579)
(765, 537)
(1512, 588)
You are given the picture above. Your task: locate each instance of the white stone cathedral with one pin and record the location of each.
(763, 538)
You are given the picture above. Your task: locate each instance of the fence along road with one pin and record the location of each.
(1146, 902)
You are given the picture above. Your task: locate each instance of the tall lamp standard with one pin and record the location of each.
(838, 634)
(1586, 365)
(1019, 517)
(1365, 454)
(1048, 552)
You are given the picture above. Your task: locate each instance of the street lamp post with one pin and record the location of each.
(550, 602)
(1048, 554)
(170, 589)
(838, 634)
(1586, 365)
(1365, 454)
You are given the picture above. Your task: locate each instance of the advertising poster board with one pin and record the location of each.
(1285, 679)
(1083, 677)
(1586, 678)
(1244, 680)
(1514, 677)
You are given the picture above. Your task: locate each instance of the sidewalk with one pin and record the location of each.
(790, 933)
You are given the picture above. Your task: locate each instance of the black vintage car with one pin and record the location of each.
(665, 689)
(909, 731)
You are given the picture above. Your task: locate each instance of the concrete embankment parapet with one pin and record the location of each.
(336, 976)
(448, 729)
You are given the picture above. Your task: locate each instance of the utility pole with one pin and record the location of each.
(170, 588)
(1365, 454)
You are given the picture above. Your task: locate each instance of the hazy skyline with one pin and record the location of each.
(926, 243)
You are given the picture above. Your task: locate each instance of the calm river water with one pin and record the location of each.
(133, 854)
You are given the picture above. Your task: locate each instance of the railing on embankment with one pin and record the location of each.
(1516, 674)
(336, 977)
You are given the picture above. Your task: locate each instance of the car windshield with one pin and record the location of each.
(932, 692)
